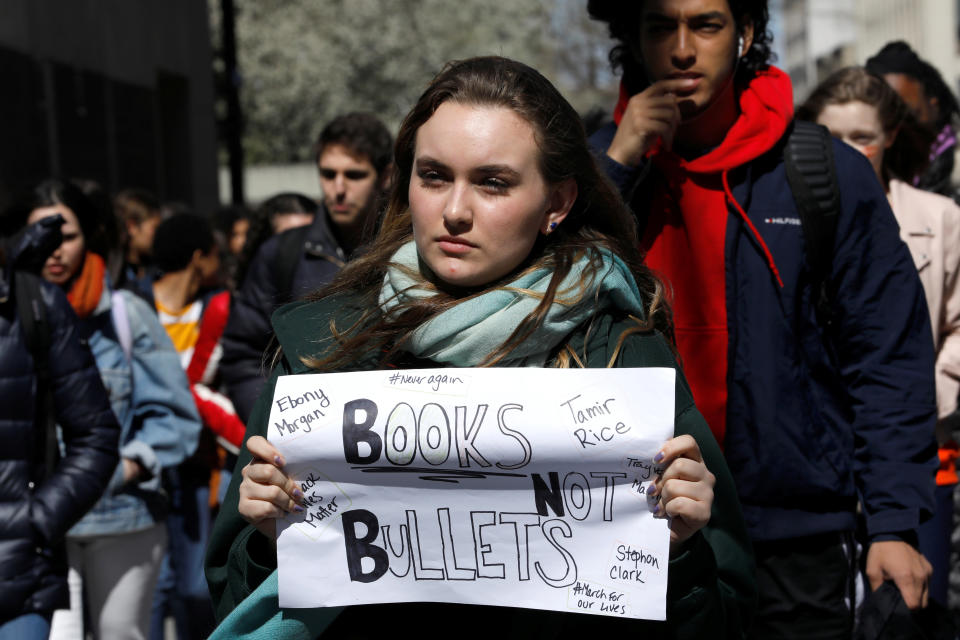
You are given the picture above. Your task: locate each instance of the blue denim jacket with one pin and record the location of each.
(152, 401)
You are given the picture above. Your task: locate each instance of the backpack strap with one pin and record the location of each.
(812, 174)
(288, 255)
(36, 332)
(121, 323)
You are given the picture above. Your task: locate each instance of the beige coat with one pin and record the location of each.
(930, 226)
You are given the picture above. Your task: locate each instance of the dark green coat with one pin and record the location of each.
(711, 590)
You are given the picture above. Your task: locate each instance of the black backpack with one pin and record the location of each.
(812, 174)
(292, 246)
(288, 255)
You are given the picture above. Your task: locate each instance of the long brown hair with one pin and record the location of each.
(598, 218)
(908, 156)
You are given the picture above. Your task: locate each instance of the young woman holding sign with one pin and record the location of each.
(502, 245)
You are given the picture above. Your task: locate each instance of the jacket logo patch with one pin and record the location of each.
(793, 221)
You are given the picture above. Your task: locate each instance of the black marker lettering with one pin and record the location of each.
(608, 487)
(576, 493)
(359, 548)
(543, 496)
(480, 520)
(420, 572)
(524, 520)
(433, 434)
(355, 433)
(401, 435)
(388, 544)
(466, 435)
(516, 435)
(570, 576)
(582, 438)
(453, 570)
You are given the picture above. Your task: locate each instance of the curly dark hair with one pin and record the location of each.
(623, 20)
(899, 57)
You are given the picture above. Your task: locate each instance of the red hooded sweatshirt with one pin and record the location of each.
(686, 228)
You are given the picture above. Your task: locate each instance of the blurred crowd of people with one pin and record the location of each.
(136, 335)
(151, 286)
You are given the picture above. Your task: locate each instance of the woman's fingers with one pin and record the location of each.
(266, 492)
(683, 469)
(259, 502)
(690, 511)
(696, 490)
(684, 446)
(273, 494)
(254, 511)
(699, 490)
(266, 457)
(687, 516)
(680, 459)
(687, 505)
(264, 473)
(685, 488)
(261, 448)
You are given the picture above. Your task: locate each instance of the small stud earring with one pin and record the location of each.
(553, 225)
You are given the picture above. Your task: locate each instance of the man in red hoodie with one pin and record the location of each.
(813, 418)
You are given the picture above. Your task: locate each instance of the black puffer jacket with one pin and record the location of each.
(37, 509)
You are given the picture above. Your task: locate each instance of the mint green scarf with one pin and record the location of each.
(464, 335)
(259, 617)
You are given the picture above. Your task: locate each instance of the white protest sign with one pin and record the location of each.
(510, 487)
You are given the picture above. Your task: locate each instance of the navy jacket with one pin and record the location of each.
(246, 338)
(36, 510)
(819, 417)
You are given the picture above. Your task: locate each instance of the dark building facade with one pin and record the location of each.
(114, 91)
